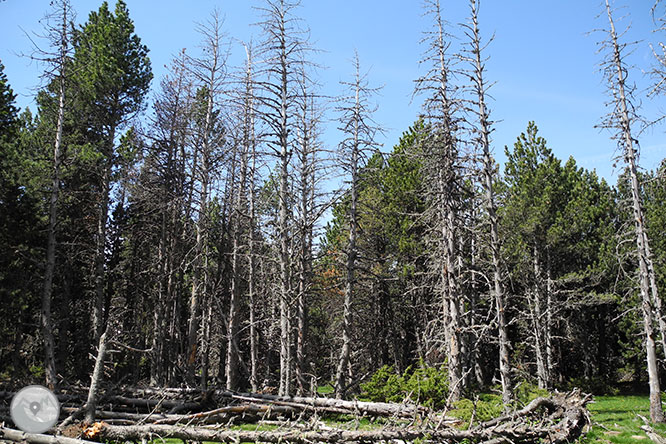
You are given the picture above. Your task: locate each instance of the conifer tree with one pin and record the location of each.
(112, 72)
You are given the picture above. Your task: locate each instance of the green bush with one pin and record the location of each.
(424, 385)
(485, 407)
(524, 392)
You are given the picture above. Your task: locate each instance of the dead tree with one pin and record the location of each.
(252, 224)
(359, 132)
(168, 152)
(308, 172)
(621, 120)
(209, 72)
(243, 225)
(57, 59)
(658, 71)
(441, 163)
(483, 133)
(283, 59)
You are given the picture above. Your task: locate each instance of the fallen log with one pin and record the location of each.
(650, 432)
(152, 431)
(150, 404)
(106, 414)
(225, 413)
(35, 438)
(562, 422)
(334, 405)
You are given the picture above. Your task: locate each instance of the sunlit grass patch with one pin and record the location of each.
(615, 420)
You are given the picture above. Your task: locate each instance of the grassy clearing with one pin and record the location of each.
(615, 420)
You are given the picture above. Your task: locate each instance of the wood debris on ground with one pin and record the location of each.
(213, 415)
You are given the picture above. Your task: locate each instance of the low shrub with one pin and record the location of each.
(424, 385)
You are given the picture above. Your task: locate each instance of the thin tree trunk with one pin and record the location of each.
(350, 276)
(47, 293)
(100, 250)
(285, 294)
(96, 379)
(232, 326)
(252, 275)
(491, 209)
(200, 275)
(538, 315)
(645, 271)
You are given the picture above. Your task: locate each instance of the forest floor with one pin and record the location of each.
(615, 420)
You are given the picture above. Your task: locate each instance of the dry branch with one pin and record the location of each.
(554, 420)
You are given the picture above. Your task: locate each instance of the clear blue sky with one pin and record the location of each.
(543, 61)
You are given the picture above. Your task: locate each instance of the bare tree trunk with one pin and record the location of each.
(488, 169)
(356, 124)
(283, 49)
(343, 361)
(548, 327)
(47, 292)
(96, 379)
(306, 159)
(252, 274)
(208, 71)
(538, 315)
(239, 213)
(621, 114)
(441, 163)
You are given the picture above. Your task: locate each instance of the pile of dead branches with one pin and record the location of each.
(191, 415)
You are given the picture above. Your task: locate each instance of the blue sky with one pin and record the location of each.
(543, 60)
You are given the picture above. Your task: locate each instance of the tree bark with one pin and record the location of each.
(491, 208)
(47, 292)
(95, 379)
(35, 438)
(645, 271)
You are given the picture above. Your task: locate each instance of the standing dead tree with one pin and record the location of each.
(359, 140)
(621, 120)
(283, 69)
(243, 224)
(309, 165)
(442, 167)
(168, 155)
(207, 138)
(57, 58)
(483, 133)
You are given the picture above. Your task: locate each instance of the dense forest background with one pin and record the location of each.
(201, 235)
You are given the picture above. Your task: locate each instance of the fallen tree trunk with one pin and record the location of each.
(36, 438)
(152, 431)
(226, 413)
(333, 405)
(150, 404)
(555, 420)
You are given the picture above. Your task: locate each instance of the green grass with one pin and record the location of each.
(326, 389)
(615, 420)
